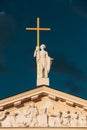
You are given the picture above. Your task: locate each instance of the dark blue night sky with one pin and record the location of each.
(66, 43)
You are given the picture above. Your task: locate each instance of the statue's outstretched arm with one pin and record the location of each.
(35, 53)
(36, 50)
(49, 56)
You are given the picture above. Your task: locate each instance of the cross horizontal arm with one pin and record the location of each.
(47, 29)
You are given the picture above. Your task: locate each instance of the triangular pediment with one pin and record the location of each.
(39, 92)
(44, 99)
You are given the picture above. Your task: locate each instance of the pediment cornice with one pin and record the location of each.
(40, 92)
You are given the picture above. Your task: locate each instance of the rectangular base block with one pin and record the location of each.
(42, 81)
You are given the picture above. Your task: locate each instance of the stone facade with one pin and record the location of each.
(43, 107)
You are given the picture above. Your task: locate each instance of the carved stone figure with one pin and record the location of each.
(43, 60)
(57, 122)
(42, 118)
(74, 120)
(31, 116)
(19, 118)
(51, 121)
(7, 122)
(66, 118)
(32, 109)
(47, 104)
(13, 122)
(82, 121)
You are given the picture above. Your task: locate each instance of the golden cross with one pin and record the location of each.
(38, 29)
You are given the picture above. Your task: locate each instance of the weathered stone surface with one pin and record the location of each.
(42, 117)
(46, 111)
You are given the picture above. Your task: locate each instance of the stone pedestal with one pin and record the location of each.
(42, 81)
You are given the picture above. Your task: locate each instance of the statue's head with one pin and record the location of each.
(31, 105)
(17, 112)
(42, 46)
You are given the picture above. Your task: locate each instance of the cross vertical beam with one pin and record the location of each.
(38, 32)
